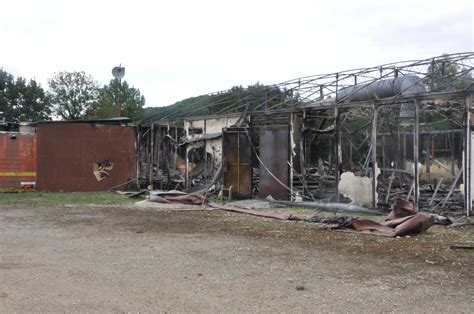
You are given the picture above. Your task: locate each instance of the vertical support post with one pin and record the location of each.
(426, 145)
(416, 147)
(186, 158)
(451, 146)
(186, 172)
(404, 151)
(399, 161)
(137, 156)
(292, 198)
(150, 159)
(175, 147)
(467, 157)
(383, 152)
(426, 142)
(338, 150)
(351, 165)
(374, 154)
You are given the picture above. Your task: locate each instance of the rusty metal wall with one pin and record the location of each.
(69, 151)
(275, 154)
(17, 159)
(237, 162)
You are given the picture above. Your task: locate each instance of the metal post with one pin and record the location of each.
(383, 151)
(150, 159)
(137, 155)
(338, 149)
(374, 154)
(416, 179)
(186, 172)
(292, 198)
(467, 158)
(120, 98)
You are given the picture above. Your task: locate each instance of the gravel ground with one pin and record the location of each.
(122, 259)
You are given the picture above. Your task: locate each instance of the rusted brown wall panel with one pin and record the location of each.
(237, 161)
(17, 159)
(67, 153)
(275, 154)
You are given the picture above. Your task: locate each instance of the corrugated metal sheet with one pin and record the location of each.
(69, 153)
(17, 159)
(275, 154)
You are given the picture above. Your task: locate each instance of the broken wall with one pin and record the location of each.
(210, 126)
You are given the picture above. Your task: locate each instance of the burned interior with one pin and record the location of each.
(366, 136)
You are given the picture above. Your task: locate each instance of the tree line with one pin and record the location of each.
(70, 96)
(256, 97)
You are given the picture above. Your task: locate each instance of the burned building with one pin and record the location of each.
(365, 136)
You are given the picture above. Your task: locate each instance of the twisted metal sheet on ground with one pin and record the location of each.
(401, 220)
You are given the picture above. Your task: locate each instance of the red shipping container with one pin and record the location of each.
(17, 160)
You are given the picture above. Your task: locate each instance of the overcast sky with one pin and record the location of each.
(180, 48)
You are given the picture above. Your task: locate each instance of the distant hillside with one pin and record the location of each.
(234, 100)
(196, 105)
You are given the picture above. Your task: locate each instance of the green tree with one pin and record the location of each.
(21, 100)
(236, 99)
(118, 99)
(444, 76)
(32, 102)
(6, 86)
(73, 94)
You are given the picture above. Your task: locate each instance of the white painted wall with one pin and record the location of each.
(211, 126)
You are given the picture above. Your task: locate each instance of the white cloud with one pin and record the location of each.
(176, 49)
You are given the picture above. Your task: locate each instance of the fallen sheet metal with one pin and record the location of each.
(402, 220)
(190, 199)
(399, 222)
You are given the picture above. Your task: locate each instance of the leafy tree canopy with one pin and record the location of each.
(444, 76)
(118, 99)
(73, 94)
(21, 100)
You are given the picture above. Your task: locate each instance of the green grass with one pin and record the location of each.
(63, 198)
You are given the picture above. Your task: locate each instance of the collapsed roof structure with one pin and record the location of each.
(367, 136)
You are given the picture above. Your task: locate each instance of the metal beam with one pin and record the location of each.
(150, 157)
(416, 138)
(137, 156)
(468, 157)
(328, 104)
(374, 154)
(338, 149)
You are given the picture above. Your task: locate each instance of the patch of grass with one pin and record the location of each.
(63, 198)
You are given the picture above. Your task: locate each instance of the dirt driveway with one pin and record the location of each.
(120, 259)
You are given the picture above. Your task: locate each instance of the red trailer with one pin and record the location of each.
(17, 160)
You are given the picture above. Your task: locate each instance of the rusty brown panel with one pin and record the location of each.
(274, 153)
(17, 159)
(236, 157)
(67, 153)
